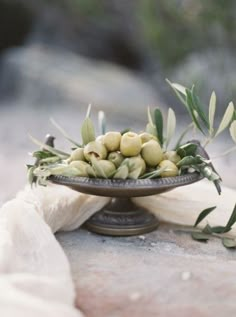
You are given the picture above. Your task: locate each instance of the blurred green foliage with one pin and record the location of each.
(171, 28)
(84, 8)
(175, 28)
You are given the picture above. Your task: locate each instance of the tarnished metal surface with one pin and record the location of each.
(125, 188)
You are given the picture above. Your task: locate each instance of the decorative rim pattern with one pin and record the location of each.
(125, 188)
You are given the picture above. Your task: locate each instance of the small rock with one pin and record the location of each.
(134, 296)
(153, 244)
(185, 276)
(142, 237)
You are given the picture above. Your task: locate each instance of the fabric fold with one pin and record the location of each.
(35, 277)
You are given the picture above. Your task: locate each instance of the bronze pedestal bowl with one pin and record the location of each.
(121, 217)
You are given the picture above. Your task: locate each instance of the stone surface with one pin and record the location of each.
(165, 274)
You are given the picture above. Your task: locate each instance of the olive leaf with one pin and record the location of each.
(192, 110)
(88, 111)
(42, 172)
(204, 214)
(124, 131)
(199, 236)
(182, 135)
(151, 129)
(212, 109)
(49, 160)
(49, 148)
(218, 229)
(208, 173)
(64, 133)
(171, 125)
(207, 229)
(190, 160)
(102, 122)
(178, 87)
(90, 171)
(122, 172)
(150, 121)
(159, 124)
(135, 173)
(179, 90)
(154, 174)
(231, 220)
(42, 154)
(97, 168)
(30, 174)
(229, 243)
(187, 149)
(234, 115)
(87, 131)
(199, 108)
(232, 130)
(226, 118)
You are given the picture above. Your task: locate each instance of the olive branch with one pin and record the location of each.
(221, 232)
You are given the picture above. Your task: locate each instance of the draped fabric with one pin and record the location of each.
(35, 277)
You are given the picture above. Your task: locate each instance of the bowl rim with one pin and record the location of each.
(127, 187)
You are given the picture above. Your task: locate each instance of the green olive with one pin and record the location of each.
(130, 144)
(116, 158)
(135, 163)
(172, 156)
(95, 149)
(152, 153)
(170, 168)
(103, 168)
(111, 141)
(145, 137)
(100, 138)
(82, 167)
(77, 155)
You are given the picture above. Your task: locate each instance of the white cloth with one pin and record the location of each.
(35, 278)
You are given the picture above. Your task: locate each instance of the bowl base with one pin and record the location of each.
(121, 217)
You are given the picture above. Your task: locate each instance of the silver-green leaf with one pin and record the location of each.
(212, 109)
(203, 214)
(64, 133)
(87, 131)
(229, 243)
(49, 148)
(171, 125)
(232, 130)
(178, 87)
(102, 122)
(150, 120)
(226, 118)
(199, 236)
(179, 90)
(151, 129)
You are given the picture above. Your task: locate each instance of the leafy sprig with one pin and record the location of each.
(204, 120)
(155, 125)
(215, 231)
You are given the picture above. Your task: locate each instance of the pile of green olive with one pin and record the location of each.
(123, 156)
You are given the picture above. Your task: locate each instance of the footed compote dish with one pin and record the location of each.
(121, 217)
(126, 164)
